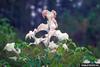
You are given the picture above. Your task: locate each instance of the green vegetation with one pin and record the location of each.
(37, 55)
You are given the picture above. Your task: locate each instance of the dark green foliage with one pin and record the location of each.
(37, 55)
(7, 33)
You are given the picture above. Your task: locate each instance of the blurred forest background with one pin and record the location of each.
(79, 18)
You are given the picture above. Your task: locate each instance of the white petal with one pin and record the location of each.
(30, 35)
(61, 36)
(86, 61)
(52, 45)
(18, 51)
(98, 61)
(65, 46)
(13, 58)
(9, 46)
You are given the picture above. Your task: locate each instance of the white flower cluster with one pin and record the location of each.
(50, 27)
(11, 47)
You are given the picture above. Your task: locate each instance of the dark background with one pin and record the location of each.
(79, 18)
